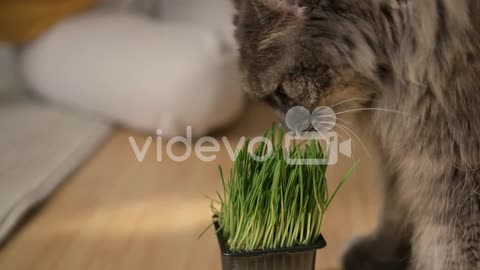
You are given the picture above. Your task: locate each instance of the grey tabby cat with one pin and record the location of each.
(420, 57)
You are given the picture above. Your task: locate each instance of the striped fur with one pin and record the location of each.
(420, 57)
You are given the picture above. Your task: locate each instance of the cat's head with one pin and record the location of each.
(306, 52)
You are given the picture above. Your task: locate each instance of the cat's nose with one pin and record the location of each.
(279, 109)
(280, 103)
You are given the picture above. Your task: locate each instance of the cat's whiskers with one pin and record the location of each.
(345, 121)
(349, 100)
(338, 134)
(372, 109)
(349, 132)
(343, 139)
(345, 129)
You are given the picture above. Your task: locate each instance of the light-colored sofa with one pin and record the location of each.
(40, 144)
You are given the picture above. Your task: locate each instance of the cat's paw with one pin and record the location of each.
(369, 253)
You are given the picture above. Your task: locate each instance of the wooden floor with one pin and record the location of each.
(117, 213)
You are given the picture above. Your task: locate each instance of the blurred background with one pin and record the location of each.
(79, 81)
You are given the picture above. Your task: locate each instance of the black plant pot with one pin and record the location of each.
(296, 258)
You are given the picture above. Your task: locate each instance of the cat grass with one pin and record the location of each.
(271, 204)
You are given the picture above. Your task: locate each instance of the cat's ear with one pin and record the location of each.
(285, 7)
